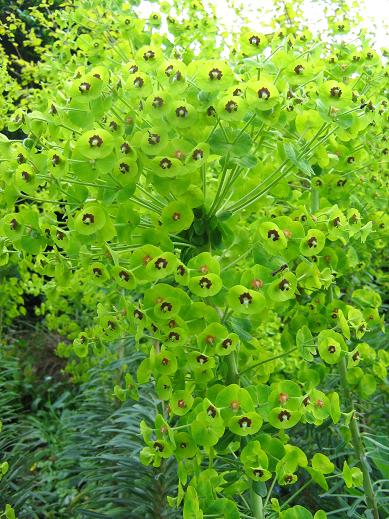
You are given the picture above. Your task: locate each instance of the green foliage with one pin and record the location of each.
(222, 205)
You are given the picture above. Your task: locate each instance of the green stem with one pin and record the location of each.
(233, 375)
(256, 503)
(358, 445)
(268, 360)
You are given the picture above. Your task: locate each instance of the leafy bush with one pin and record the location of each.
(221, 202)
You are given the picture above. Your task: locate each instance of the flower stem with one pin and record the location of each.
(358, 445)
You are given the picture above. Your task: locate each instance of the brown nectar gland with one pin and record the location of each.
(158, 102)
(284, 416)
(335, 92)
(166, 307)
(273, 235)
(158, 446)
(181, 404)
(88, 218)
(125, 148)
(331, 348)
(165, 163)
(139, 82)
(124, 167)
(257, 283)
(312, 242)
(138, 315)
(283, 397)
(263, 93)
(154, 138)
(148, 55)
(254, 40)
(174, 336)
(182, 112)
(258, 473)
(84, 87)
(245, 422)
(235, 405)
(205, 283)
(226, 343)
(165, 361)
(245, 299)
(97, 272)
(124, 276)
(299, 69)
(161, 263)
(198, 154)
(284, 285)
(215, 73)
(211, 411)
(95, 141)
(176, 216)
(202, 359)
(231, 106)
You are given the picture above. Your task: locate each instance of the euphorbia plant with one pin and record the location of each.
(214, 208)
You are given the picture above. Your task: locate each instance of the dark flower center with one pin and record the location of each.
(205, 283)
(245, 422)
(161, 263)
(97, 272)
(125, 148)
(284, 285)
(157, 102)
(165, 163)
(226, 343)
(254, 40)
(263, 93)
(138, 314)
(215, 73)
(181, 270)
(84, 87)
(154, 138)
(133, 69)
(332, 348)
(124, 276)
(231, 106)
(181, 404)
(165, 361)
(158, 446)
(182, 112)
(202, 359)
(257, 283)
(176, 216)
(284, 416)
(273, 235)
(211, 111)
(149, 55)
(88, 218)
(245, 299)
(124, 167)
(174, 336)
(312, 242)
(197, 154)
(55, 160)
(166, 307)
(298, 69)
(258, 473)
(139, 82)
(211, 411)
(335, 92)
(95, 141)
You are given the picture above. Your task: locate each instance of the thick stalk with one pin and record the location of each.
(256, 503)
(358, 445)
